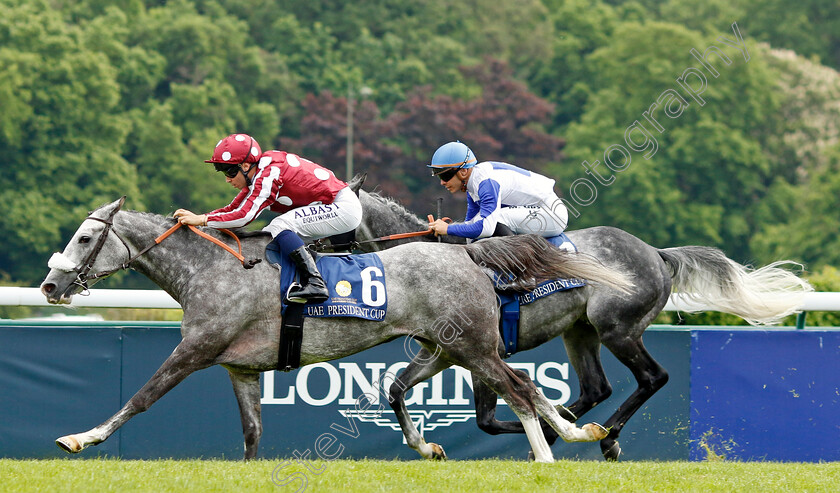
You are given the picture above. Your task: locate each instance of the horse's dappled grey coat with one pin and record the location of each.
(586, 318)
(232, 315)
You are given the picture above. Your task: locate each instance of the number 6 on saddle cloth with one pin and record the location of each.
(356, 285)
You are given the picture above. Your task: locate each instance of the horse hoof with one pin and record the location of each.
(69, 444)
(597, 431)
(437, 452)
(611, 450)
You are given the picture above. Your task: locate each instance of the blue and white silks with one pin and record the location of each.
(503, 193)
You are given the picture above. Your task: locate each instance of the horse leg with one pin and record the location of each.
(650, 377)
(485, 414)
(583, 349)
(485, 411)
(184, 360)
(246, 387)
(499, 377)
(423, 366)
(522, 396)
(566, 430)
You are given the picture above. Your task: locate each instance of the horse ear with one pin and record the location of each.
(115, 205)
(356, 183)
(110, 208)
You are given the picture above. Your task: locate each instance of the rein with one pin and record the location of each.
(320, 246)
(83, 269)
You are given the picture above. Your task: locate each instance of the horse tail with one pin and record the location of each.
(526, 260)
(705, 276)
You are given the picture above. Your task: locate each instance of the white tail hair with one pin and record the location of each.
(706, 277)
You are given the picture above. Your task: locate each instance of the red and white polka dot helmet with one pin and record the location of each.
(236, 149)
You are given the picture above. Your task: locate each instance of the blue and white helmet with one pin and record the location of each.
(452, 156)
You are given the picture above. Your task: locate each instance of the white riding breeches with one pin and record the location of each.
(549, 219)
(315, 221)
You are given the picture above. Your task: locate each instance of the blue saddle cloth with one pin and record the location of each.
(356, 284)
(510, 302)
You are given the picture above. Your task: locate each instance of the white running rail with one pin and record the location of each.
(144, 298)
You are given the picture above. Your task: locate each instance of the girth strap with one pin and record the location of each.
(509, 321)
(291, 336)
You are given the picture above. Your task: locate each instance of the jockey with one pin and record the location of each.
(502, 199)
(312, 203)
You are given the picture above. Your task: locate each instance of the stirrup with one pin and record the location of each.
(295, 299)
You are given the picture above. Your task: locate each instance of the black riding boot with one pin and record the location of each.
(503, 230)
(312, 288)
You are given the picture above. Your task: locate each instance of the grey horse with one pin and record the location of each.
(232, 315)
(586, 318)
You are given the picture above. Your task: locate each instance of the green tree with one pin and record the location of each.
(808, 221)
(61, 141)
(697, 185)
(800, 212)
(809, 27)
(564, 76)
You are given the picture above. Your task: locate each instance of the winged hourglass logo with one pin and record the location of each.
(424, 420)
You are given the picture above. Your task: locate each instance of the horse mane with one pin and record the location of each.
(395, 206)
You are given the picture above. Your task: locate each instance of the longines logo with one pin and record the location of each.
(441, 401)
(423, 420)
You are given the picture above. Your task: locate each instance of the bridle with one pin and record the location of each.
(83, 269)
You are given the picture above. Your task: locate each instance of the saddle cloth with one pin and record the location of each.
(510, 302)
(356, 284)
(547, 287)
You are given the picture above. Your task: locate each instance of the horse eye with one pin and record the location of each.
(84, 239)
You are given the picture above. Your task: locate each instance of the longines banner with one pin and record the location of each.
(442, 408)
(60, 380)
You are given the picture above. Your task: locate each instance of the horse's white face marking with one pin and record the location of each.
(61, 262)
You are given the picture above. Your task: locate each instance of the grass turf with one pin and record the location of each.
(93, 475)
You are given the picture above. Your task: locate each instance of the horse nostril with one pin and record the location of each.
(47, 288)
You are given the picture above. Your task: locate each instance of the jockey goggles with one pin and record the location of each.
(229, 170)
(446, 174)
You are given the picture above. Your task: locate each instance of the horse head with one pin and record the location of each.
(91, 249)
